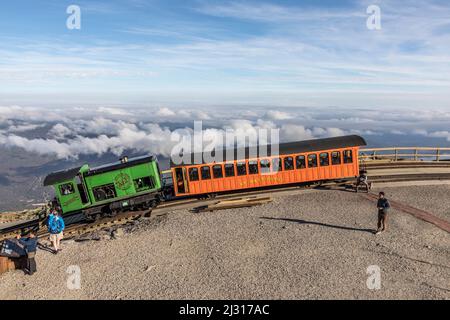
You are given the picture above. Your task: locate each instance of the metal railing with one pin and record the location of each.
(405, 153)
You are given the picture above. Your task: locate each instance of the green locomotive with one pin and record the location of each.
(108, 189)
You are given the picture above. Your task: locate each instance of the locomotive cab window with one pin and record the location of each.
(229, 170)
(217, 171)
(241, 169)
(312, 161)
(324, 159)
(265, 165)
(288, 163)
(206, 173)
(66, 188)
(276, 165)
(193, 174)
(144, 183)
(348, 156)
(335, 157)
(252, 167)
(300, 162)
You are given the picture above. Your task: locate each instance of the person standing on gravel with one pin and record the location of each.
(29, 244)
(383, 206)
(56, 227)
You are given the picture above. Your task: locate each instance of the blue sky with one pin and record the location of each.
(185, 53)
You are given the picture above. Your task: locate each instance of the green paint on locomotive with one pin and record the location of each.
(83, 188)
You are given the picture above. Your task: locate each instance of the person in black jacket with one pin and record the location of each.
(29, 244)
(383, 208)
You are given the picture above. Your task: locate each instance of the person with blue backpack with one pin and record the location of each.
(56, 226)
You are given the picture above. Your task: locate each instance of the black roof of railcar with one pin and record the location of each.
(64, 175)
(119, 165)
(60, 176)
(283, 148)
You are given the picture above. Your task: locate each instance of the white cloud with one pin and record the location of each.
(24, 127)
(278, 115)
(165, 112)
(113, 111)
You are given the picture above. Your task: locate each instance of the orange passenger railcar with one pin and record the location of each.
(293, 163)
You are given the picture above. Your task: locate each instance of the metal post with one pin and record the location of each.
(396, 154)
(416, 154)
(438, 153)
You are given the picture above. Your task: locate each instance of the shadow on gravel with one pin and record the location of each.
(44, 248)
(319, 224)
(331, 188)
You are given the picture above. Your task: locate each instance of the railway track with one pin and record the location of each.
(75, 228)
(124, 218)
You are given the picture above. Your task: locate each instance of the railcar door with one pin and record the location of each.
(181, 180)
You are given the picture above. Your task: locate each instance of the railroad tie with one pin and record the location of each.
(415, 212)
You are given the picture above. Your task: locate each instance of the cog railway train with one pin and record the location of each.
(138, 183)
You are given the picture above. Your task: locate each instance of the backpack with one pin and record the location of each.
(59, 224)
(52, 224)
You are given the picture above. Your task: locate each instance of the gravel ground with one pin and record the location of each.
(307, 245)
(432, 199)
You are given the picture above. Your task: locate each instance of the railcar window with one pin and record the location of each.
(276, 165)
(104, 192)
(265, 165)
(66, 189)
(206, 173)
(217, 171)
(252, 167)
(300, 162)
(229, 170)
(288, 163)
(324, 159)
(193, 174)
(348, 156)
(312, 160)
(241, 169)
(336, 157)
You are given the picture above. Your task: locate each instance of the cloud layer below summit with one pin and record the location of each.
(69, 133)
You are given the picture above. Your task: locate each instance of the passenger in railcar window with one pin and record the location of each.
(288, 163)
(335, 157)
(324, 159)
(348, 156)
(312, 161)
(193, 174)
(206, 173)
(252, 167)
(179, 174)
(241, 169)
(300, 162)
(265, 166)
(217, 171)
(276, 165)
(229, 170)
